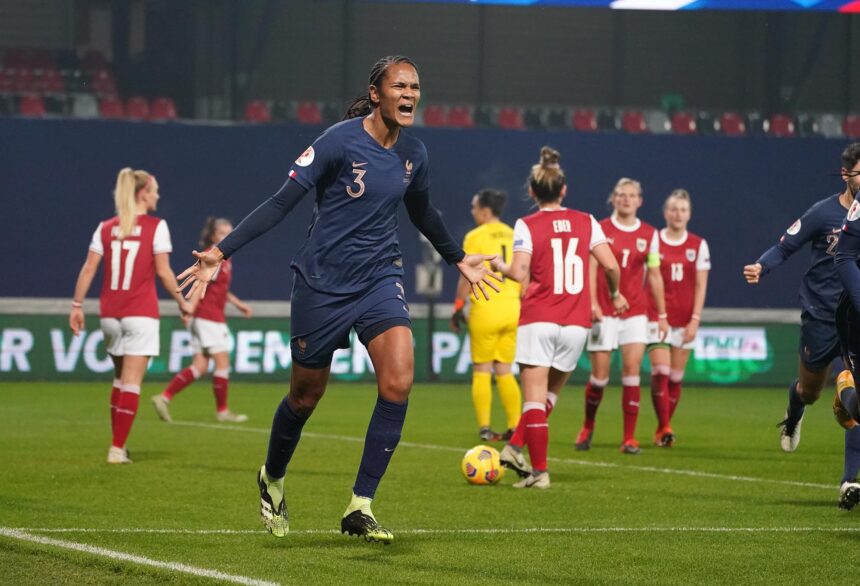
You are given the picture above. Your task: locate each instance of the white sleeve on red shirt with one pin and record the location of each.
(655, 243)
(597, 235)
(704, 258)
(161, 241)
(96, 242)
(522, 237)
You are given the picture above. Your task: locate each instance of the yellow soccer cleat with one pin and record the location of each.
(844, 381)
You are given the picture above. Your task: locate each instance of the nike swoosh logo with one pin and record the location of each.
(354, 164)
(388, 449)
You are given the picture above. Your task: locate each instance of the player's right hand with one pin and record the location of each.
(458, 320)
(200, 273)
(752, 273)
(620, 304)
(596, 313)
(76, 320)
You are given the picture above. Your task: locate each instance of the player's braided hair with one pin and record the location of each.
(493, 199)
(547, 177)
(362, 105)
(208, 231)
(128, 183)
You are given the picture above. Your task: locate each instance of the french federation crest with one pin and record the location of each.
(641, 244)
(691, 254)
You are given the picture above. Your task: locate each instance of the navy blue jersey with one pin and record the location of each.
(352, 240)
(848, 252)
(821, 286)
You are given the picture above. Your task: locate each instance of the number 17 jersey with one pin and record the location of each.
(560, 242)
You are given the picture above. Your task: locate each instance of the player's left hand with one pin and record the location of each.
(246, 310)
(200, 273)
(690, 331)
(474, 270)
(76, 320)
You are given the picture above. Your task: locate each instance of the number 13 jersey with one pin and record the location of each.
(560, 242)
(128, 285)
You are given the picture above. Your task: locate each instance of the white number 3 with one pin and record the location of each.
(359, 173)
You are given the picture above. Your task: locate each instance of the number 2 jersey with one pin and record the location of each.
(680, 260)
(631, 246)
(128, 285)
(560, 242)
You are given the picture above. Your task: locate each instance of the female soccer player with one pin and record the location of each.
(493, 324)
(634, 244)
(136, 248)
(210, 338)
(684, 265)
(348, 275)
(551, 249)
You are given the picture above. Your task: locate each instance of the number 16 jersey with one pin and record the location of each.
(560, 242)
(128, 286)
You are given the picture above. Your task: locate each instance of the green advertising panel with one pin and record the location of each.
(41, 347)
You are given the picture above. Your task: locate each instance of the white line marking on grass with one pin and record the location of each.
(476, 531)
(597, 464)
(24, 535)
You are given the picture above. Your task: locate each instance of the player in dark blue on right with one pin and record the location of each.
(348, 275)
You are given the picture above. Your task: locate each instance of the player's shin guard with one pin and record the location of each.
(630, 395)
(383, 435)
(126, 409)
(286, 432)
(482, 397)
(593, 397)
(675, 378)
(114, 401)
(509, 393)
(220, 384)
(852, 455)
(660, 394)
(182, 379)
(537, 433)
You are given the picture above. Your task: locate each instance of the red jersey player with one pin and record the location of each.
(634, 244)
(210, 337)
(551, 249)
(136, 248)
(684, 263)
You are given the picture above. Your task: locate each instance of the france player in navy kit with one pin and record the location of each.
(348, 275)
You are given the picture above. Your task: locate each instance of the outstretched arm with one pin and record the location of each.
(798, 234)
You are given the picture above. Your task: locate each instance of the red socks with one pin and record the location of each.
(660, 397)
(114, 399)
(126, 409)
(220, 382)
(519, 437)
(674, 392)
(536, 433)
(630, 393)
(180, 381)
(593, 397)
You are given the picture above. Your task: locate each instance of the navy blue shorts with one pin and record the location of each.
(819, 342)
(320, 322)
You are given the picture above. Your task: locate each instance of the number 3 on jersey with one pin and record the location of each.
(567, 267)
(116, 248)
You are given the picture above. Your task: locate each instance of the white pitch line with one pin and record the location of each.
(475, 531)
(24, 535)
(597, 464)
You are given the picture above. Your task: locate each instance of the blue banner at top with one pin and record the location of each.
(818, 5)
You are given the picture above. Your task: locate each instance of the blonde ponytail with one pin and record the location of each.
(128, 183)
(547, 177)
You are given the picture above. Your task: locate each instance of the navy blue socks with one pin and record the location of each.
(383, 435)
(796, 406)
(286, 431)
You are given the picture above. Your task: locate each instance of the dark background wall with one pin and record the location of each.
(56, 179)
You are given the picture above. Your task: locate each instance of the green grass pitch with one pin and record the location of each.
(723, 506)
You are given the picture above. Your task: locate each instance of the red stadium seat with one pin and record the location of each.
(257, 111)
(851, 126)
(683, 123)
(137, 108)
(32, 105)
(633, 122)
(23, 81)
(435, 116)
(103, 83)
(511, 119)
(51, 81)
(584, 120)
(7, 81)
(111, 108)
(731, 124)
(460, 117)
(780, 125)
(162, 109)
(308, 113)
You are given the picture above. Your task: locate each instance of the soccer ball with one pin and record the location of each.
(481, 465)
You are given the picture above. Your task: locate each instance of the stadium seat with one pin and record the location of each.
(510, 119)
(50, 81)
(7, 105)
(23, 81)
(584, 120)
(85, 106)
(257, 111)
(683, 123)
(137, 108)
(308, 113)
(32, 105)
(534, 117)
(57, 104)
(7, 81)
(103, 83)
(483, 116)
(851, 126)
(162, 109)
(556, 118)
(435, 116)
(730, 124)
(607, 120)
(705, 123)
(633, 122)
(460, 117)
(75, 80)
(780, 125)
(111, 108)
(657, 122)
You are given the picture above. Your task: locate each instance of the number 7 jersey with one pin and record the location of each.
(559, 242)
(128, 285)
